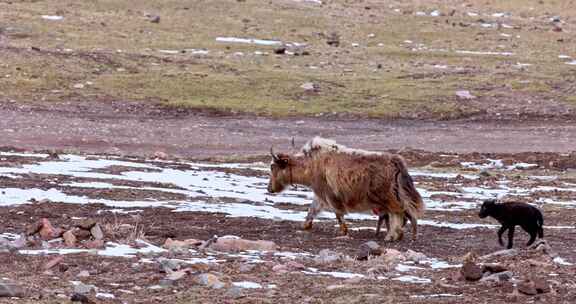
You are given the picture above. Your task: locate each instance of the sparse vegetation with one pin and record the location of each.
(391, 62)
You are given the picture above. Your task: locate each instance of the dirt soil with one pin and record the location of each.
(129, 128)
(138, 279)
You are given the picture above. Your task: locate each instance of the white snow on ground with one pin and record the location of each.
(234, 194)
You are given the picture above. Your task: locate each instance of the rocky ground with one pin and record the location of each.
(161, 230)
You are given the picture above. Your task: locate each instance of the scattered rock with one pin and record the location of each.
(166, 283)
(280, 50)
(333, 40)
(543, 247)
(293, 265)
(96, 244)
(234, 245)
(280, 269)
(33, 228)
(392, 256)
(69, 238)
(85, 224)
(327, 256)
(9, 290)
(414, 256)
(81, 234)
(368, 249)
(83, 289)
(245, 268)
(160, 155)
(527, 288)
(47, 231)
(310, 87)
(337, 286)
(493, 268)
(53, 262)
(484, 173)
(465, 94)
(471, 272)
(175, 244)
(76, 297)
(500, 253)
(235, 293)
(83, 274)
(96, 232)
(154, 18)
(169, 265)
(210, 280)
(541, 285)
(176, 275)
(497, 277)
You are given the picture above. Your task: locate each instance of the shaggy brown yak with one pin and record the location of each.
(348, 182)
(320, 145)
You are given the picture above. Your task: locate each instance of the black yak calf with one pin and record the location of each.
(512, 214)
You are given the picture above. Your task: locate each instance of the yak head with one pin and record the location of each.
(280, 172)
(486, 208)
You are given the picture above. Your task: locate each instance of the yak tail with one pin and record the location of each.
(406, 191)
(540, 225)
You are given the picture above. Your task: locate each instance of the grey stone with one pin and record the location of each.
(471, 271)
(497, 277)
(368, 249)
(414, 256)
(166, 283)
(96, 232)
(83, 274)
(327, 256)
(210, 280)
(176, 275)
(11, 290)
(169, 265)
(500, 253)
(235, 293)
(82, 288)
(493, 268)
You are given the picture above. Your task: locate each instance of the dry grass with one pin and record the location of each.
(113, 51)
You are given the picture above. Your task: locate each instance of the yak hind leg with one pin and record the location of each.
(343, 227)
(395, 232)
(413, 223)
(381, 219)
(313, 211)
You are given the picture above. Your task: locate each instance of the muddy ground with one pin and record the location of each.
(137, 199)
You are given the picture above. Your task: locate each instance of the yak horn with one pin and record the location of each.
(274, 156)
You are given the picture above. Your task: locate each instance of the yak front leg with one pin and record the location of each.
(395, 232)
(313, 211)
(343, 227)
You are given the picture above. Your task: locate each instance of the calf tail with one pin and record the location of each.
(540, 225)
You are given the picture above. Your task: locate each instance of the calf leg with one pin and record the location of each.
(533, 231)
(500, 232)
(343, 227)
(313, 211)
(510, 237)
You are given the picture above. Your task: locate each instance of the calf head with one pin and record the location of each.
(486, 208)
(280, 172)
